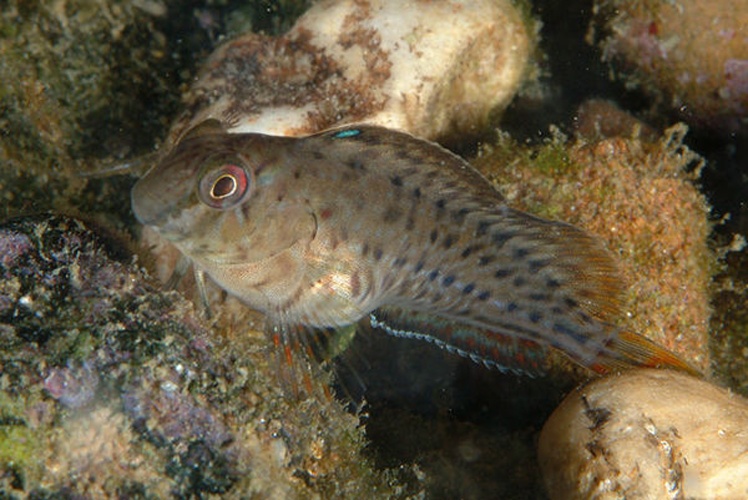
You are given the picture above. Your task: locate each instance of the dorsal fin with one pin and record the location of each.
(205, 127)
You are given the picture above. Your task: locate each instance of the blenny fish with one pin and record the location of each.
(368, 223)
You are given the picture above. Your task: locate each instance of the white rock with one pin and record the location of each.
(432, 68)
(647, 434)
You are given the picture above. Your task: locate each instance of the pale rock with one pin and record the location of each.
(435, 69)
(647, 434)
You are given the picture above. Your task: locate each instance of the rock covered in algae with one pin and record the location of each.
(110, 387)
(729, 341)
(430, 68)
(691, 56)
(647, 434)
(69, 72)
(82, 81)
(640, 198)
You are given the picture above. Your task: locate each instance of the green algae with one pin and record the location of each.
(21, 442)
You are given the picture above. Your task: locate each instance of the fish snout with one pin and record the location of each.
(148, 203)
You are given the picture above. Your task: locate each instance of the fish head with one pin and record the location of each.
(223, 199)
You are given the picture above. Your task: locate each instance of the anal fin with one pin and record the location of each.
(505, 353)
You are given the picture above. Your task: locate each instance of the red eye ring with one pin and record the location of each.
(224, 186)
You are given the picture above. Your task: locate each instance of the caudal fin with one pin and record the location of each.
(628, 349)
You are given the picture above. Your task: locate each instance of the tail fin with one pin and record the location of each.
(628, 349)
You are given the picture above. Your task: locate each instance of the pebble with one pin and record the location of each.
(433, 69)
(647, 434)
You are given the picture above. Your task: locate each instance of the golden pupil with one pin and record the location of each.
(224, 186)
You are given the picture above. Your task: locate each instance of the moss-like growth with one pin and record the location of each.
(640, 198)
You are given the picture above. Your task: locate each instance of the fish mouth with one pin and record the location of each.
(143, 205)
(152, 204)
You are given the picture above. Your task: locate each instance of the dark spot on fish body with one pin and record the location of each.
(571, 303)
(399, 262)
(419, 266)
(468, 289)
(365, 250)
(585, 318)
(499, 238)
(539, 297)
(484, 260)
(484, 295)
(534, 266)
(417, 193)
(440, 203)
(502, 273)
(433, 274)
(396, 181)
(519, 281)
(458, 216)
(482, 228)
(511, 307)
(448, 280)
(448, 241)
(356, 164)
(434, 235)
(410, 223)
(552, 283)
(520, 253)
(391, 214)
(297, 174)
(566, 331)
(318, 155)
(378, 254)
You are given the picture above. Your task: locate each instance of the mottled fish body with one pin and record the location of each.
(358, 222)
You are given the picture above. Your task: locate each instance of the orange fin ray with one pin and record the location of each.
(627, 349)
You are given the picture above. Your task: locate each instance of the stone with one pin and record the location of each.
(691, 56)
(433, 69)
(647, 434)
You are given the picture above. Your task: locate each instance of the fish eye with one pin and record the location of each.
(224, 186)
